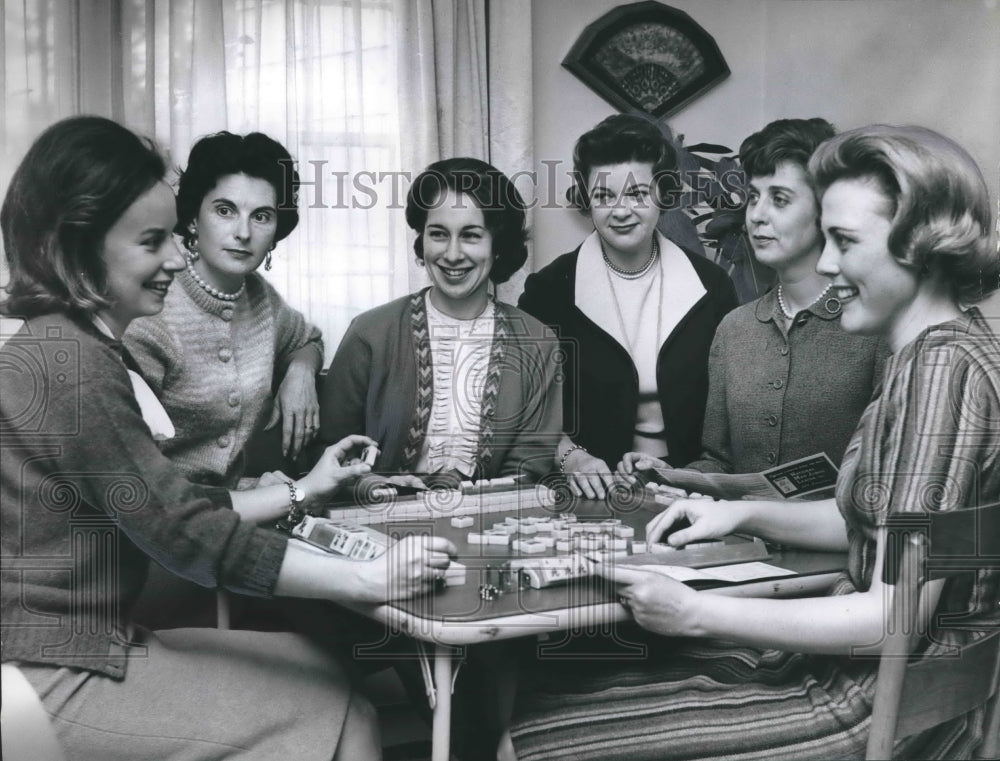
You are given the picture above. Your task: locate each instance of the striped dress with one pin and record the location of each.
(928, 440)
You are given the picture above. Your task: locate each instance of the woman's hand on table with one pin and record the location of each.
(699, 519)
(633, 461)
(328, 473)
(412, 566)
(657, 602)
(272, 477)
(406, 480)
(297, 406)
(588, 476)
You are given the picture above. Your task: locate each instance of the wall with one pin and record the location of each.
(853, 62)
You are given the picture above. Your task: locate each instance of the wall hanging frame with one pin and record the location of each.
(647, 56)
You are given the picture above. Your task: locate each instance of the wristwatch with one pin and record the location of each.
(296, 501)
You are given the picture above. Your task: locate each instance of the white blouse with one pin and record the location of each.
(640, 315)
(460, 355)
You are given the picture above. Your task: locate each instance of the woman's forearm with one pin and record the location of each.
(308, 358)
(816, 525)
(851, 624)
(314, 574)
(265, 503)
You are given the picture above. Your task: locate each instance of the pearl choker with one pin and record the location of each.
(632, 274)
(213, 291)
(789, 313)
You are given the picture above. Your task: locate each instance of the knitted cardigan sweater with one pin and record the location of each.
(214, 365)
(87, 499)
(381, 383)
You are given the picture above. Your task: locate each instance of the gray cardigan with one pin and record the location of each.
(774, 397)
(373, 387)
(87, 499)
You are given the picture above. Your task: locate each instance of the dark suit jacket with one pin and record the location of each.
(601, 392)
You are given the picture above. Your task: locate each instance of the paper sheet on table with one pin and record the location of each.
(798, 478)
(732, 573)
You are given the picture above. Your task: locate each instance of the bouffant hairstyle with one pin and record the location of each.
(792, 140)
(620, 139)
(223, 154)
(936, 200)
(72, 186)
(501, 203)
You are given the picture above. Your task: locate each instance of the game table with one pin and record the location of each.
(454, 616)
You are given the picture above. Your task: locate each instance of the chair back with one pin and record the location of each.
(913, 697)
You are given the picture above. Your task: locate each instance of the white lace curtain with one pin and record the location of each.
(363, 93)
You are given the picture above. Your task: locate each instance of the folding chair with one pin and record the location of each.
(913, 697)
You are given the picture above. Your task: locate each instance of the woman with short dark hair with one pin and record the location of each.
(635, 312)
(449, 380)
(781, 363)
(228, 356)
(88, 500)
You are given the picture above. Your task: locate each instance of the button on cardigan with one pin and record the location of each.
(777, 394)
(214, 365)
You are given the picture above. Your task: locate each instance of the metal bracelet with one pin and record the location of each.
(567, 453)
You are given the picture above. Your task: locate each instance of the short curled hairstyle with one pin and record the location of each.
(936, 198)
(77, 179)
(223, 154)
(501, 203)
(620, 139)
(791, 140)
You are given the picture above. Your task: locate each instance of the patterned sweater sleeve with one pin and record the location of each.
(344, 392)
(292, 332)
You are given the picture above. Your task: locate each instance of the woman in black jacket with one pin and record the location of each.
(635, 313)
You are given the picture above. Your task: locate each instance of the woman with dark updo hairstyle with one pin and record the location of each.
(228, 356)
(448, 380)
(635, 312)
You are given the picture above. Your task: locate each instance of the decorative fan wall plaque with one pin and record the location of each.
(648, 57)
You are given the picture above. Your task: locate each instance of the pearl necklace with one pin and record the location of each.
(632, 274)
(788, 312)
(212, 290)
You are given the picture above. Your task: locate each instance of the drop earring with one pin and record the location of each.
(267, 261)
(191, 244)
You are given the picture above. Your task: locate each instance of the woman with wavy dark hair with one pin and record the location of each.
(449, 380)
(635, 312)
(910, 245)
(228, 356)
(782, 362)
(87, 228)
